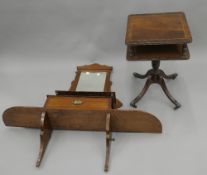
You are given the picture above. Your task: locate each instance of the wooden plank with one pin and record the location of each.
(84, 120)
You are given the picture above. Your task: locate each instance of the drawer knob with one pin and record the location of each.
(77, 102)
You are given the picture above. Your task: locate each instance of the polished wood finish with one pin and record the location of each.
(83, 111)
(45, 134)
(114, 102)
(77, 103)
(158, 28)
(84, 120)
(159, 36)
(156, 37)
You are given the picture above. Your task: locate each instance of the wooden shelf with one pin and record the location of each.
(83, 111)
(158, 52)
(158, 36)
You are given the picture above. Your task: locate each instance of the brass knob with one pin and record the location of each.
(77, 102)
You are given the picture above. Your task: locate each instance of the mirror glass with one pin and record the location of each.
(91, 81)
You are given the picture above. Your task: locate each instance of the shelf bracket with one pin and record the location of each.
(108, 141)
(45, 134)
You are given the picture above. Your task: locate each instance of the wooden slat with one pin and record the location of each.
(84, 120)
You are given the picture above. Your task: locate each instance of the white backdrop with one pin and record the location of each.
(42, 42)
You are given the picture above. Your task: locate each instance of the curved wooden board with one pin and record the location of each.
(134, 121)
(84, 120)
(23, 117)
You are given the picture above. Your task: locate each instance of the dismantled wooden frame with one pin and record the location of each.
(108, 120)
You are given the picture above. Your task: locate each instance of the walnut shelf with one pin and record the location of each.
(83, 111)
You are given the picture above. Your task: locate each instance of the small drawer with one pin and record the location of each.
(86, 103)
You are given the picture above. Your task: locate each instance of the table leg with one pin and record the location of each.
(170, 77)
(167, 93)
(136, 75)
(155, 75)
(144, 90)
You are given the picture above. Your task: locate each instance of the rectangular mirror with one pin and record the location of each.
(91, 81)
(92, 78)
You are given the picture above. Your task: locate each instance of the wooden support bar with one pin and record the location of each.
(108, 141)
(45, 134)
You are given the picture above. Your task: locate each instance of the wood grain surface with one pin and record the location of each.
(86, 103)
(84, 120)
(157, 28)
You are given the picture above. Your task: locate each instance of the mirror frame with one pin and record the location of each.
(93, 68)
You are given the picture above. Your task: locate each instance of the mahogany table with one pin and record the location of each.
(156, 37)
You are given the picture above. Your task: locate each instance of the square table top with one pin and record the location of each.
(157, 28)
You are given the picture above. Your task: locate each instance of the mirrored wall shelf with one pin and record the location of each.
(89, 105)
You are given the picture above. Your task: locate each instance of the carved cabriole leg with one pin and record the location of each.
(144, 90)
(45, 134)
(108, 141)
(167, 93)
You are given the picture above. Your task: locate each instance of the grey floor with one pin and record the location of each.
(42, 42)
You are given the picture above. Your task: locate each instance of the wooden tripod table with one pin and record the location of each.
(156, 37)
